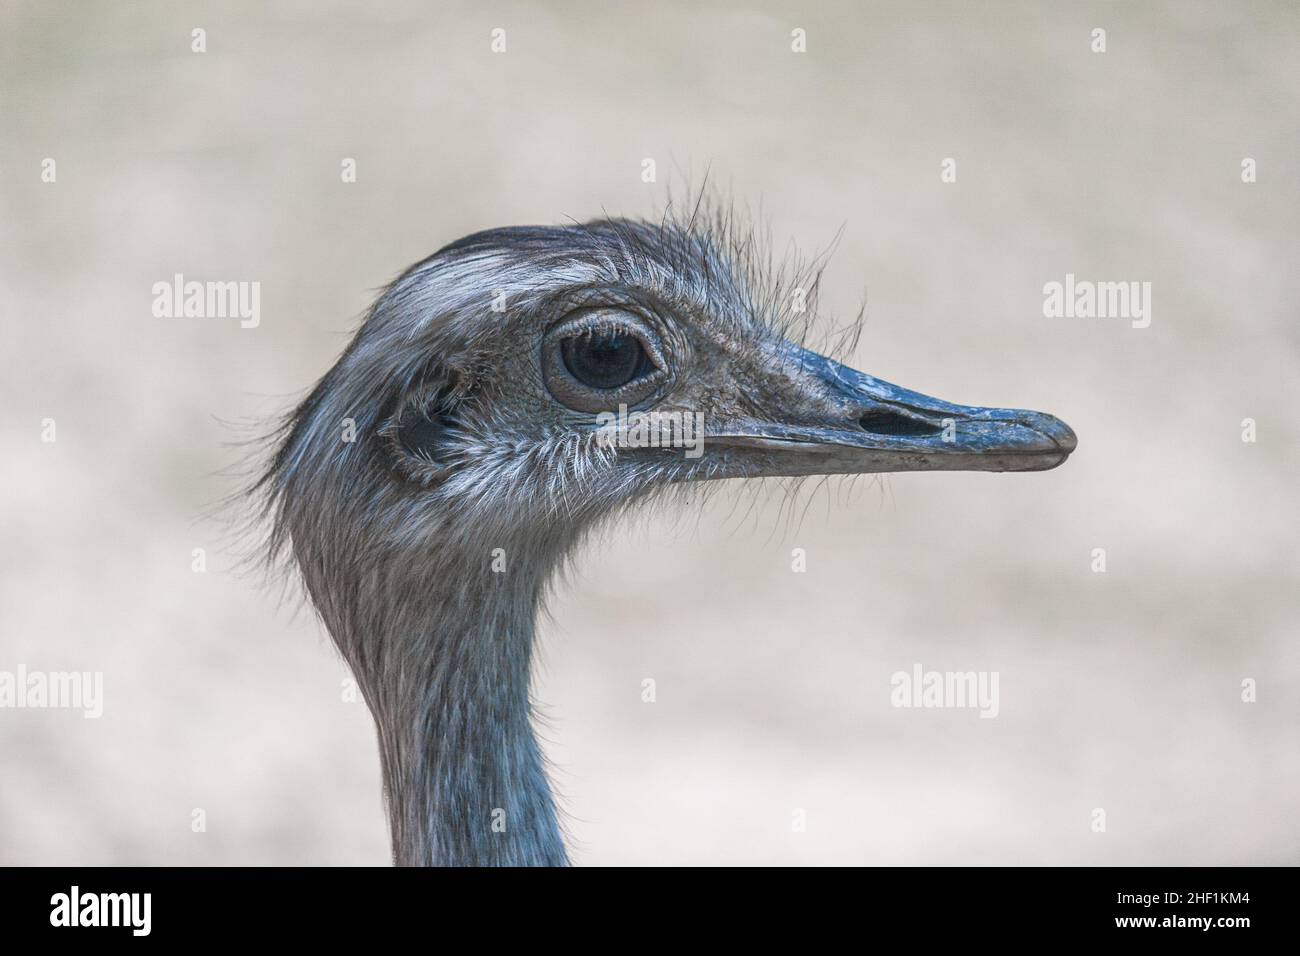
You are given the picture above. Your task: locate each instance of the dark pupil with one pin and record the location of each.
(604, 359)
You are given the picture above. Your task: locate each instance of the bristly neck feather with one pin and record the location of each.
(445, 664)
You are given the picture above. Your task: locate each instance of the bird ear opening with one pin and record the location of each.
(421, 430)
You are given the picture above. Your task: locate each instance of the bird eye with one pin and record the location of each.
(605, 360)
(597, 360)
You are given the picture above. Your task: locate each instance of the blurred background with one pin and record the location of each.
(1118, 690)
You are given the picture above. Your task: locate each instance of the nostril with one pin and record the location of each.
(882, 422)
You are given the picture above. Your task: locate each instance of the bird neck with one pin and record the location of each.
(464, 776)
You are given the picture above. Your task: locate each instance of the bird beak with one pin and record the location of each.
(852, 423)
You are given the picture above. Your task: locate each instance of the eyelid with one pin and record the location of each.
(598, 320)
(612, 320)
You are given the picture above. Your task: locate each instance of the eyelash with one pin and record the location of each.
(596, 321)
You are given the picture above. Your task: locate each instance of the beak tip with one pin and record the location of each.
(1061, 435)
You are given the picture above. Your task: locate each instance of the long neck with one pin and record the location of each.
(446, 669)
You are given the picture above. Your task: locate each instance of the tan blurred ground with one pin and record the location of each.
(1118, 690)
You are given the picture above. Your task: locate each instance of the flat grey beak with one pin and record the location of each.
(852, 423)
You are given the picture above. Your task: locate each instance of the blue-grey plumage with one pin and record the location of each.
(435, 480)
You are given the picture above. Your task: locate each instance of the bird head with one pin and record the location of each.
(527, 381)
(503, 396)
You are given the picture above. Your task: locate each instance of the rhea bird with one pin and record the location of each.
(439, 475)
